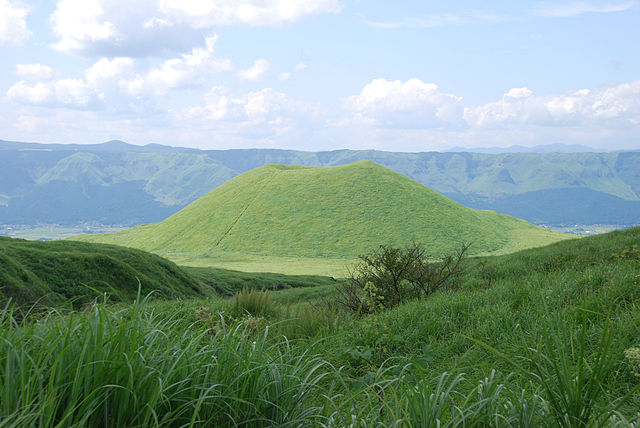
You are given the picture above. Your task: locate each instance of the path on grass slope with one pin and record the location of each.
(340, 211)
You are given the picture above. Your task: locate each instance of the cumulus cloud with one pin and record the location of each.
(78, 22)
(179, 72)
(34, 72)
(410, 104)
(116, 84)
(606, 107)
(106, 69)
(259, 118)
(90, 92)
(158, 27)
(13, 23)
(259, 67)
(72, 93)
(266, 105)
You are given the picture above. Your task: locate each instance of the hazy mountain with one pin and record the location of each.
(544, 148)
(119, 183)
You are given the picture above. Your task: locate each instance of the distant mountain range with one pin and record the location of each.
(120, 183)
(545, 148)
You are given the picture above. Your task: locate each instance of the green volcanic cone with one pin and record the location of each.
(335, 212)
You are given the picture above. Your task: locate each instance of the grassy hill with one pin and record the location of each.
(334, 212)
(55, 273)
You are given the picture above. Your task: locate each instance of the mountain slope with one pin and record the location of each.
(342, 211)
(53, 273)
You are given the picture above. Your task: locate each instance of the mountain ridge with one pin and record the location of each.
(168, 180)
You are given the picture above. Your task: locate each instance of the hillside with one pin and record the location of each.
(535, 338)
(70, 184)
(57, 273)
(294, 211)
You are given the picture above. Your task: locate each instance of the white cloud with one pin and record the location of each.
(158, 27)
(80, 22)
(34, 72)
(518, 93)
(72, 93)
(301, 66)
(608, 107)
(259, 67)
(580, 7)
(13, 23)
(107, 69)
(114, 85)
(266, 118)
(251, 12)
(410, 104)
(89, 92)
(179, 72)
(257, 107)
(285, 76)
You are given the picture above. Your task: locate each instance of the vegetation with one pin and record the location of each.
(388, 277)
(61, 273)
(228, 282)
(332, 212)
(536, 338)
(64, 273)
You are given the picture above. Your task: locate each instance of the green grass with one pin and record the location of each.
(228, 282)
(332, 212)
(336, 267)
(58, 272)
(535, 338)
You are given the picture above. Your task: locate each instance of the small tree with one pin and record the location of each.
(389, 276)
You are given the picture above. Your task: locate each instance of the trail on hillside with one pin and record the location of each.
(244, 209)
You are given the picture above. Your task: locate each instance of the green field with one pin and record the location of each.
(269, 218)
(534, 338)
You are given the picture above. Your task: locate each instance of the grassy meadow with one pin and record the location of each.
(542, 337)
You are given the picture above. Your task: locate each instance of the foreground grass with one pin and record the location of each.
(535, 338)
(134, 367)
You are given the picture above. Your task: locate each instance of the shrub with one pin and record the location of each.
(390, 276)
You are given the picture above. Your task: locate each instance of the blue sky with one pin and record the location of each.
(321, 74)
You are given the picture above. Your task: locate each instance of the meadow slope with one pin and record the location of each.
(60, 272)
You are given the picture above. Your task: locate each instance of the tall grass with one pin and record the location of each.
(136, 367)
(132, 368)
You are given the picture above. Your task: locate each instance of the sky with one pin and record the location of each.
(321, 74)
